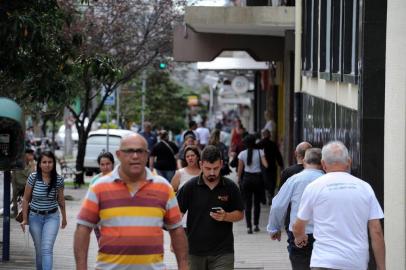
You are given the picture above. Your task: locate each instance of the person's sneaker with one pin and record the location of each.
(256, 229)
(249, 230)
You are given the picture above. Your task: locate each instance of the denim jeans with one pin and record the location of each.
(166, 174)
(43, 230)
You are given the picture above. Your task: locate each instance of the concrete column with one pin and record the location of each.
(395, 136)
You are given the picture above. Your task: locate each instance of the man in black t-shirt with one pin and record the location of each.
(213, 203)
(163, 157)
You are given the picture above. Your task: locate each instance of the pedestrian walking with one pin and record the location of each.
(292, 170)
(250, 180)
(290, 193)
(131, 207)
(149, 135)
(192, 157)
(213, 203)
(273, 156)
(189, 140)
(203, 134)
(163, 156)
(44, 192)
(298, 167)
(19, 179)
(342, 208)
(215, 140)
(106, 166)
(105, 160)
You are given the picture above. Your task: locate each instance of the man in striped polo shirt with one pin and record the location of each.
(130, 206)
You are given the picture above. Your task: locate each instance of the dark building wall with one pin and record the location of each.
(322, 121)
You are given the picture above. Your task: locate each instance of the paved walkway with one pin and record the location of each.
(255, 251)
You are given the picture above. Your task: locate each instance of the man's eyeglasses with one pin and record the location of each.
(132, 151)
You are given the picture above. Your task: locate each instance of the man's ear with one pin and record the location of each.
(323, 165)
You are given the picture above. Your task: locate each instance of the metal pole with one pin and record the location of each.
(108, 124)
(143, 90)
(118, 106)
(6, 217)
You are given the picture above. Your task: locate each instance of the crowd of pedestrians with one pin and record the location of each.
(184, 189)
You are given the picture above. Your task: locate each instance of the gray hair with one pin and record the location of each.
(335, 152)
(313, 156)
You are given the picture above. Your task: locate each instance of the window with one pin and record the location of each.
(310, 40)
(350, 50)
(337, 34)
(339, 40)
(325, 40)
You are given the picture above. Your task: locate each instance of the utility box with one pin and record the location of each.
(12, 135)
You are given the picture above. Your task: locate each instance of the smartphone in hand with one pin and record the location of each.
(216, 209)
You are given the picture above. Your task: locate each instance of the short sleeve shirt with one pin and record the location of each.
(42, 200)
(207, 236)
(255, 166)
(130, 224)
(340, 206)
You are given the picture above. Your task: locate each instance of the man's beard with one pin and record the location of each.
(212, 178)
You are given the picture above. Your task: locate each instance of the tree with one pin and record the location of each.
(166, 102)
(34, 52)
(34, 56)
(133, 33)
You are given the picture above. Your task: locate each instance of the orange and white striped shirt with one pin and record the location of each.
(131, 235)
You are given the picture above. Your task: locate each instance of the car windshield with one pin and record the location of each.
(102, 139)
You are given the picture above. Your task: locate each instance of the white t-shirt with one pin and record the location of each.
(340, 206)
(255, 166)
(204, 135)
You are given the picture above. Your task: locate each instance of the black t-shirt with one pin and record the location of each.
(206, 236)
(165, 159)
(289, 171)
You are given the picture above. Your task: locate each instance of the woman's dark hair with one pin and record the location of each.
(195, 150)
(249, 142)
(54, 175)
(214, 137)
(107, 155)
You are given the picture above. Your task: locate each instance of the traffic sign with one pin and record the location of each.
(110, 100)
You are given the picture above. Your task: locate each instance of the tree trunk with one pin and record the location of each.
(79, 179)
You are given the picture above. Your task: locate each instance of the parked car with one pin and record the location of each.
(60, 136)
(97, 143)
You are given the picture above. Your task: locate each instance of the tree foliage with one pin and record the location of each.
(165, 102)
(34, 54)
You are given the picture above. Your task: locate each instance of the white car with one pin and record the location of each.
(97, 143)
(60, 136)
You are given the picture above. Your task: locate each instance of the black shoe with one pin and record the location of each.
(249, 230)
(256, 229)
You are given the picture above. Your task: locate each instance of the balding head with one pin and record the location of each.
(131, 138)
(133, 156)
(301, 150)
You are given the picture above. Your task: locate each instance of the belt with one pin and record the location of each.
(44, 212)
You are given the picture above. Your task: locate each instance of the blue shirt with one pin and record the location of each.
(40, 199)
(151, 139)
(291, 192)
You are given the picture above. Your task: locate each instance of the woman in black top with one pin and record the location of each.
(42, 196)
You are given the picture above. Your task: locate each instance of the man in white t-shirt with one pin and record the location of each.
(203, 134)
(342, 208)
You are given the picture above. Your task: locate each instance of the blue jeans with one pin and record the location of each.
(166, 174)
(43, 230)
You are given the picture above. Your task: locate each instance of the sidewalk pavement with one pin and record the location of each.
(255, 251)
